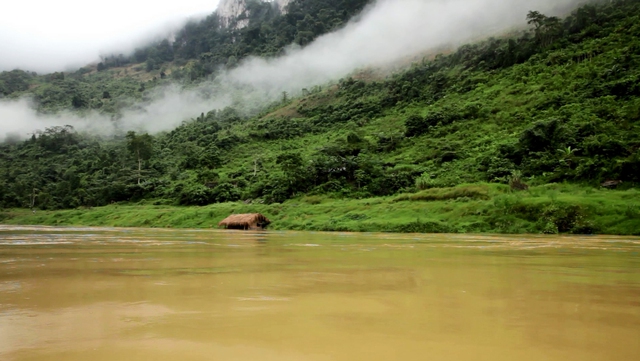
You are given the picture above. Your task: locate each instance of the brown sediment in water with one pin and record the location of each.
(135, 294)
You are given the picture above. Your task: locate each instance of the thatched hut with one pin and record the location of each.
(245, 221)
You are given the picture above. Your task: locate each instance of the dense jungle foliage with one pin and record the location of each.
(558, 103)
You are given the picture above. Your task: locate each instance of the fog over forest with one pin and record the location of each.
(388, 31)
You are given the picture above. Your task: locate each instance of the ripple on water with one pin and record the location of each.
(29, 243)
(10, 286)
(263, 299)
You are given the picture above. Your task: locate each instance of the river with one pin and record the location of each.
(151, 294)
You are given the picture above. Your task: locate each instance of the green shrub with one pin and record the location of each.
(566, 218)
(424, 227)
(313, 200)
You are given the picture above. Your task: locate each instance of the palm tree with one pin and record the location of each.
(515, 181)
(567, 154)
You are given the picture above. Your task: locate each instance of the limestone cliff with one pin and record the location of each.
(235, 13)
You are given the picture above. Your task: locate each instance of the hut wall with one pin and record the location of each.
(245, 222)
(246, 226)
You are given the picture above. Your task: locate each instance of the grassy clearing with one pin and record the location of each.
(451, 193)
(475, 208)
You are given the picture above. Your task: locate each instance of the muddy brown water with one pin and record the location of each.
(139, 294)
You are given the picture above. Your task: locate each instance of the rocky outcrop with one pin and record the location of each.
(235, 13)
(230, 10)
(282, 5)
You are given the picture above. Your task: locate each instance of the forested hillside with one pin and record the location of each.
(557, 103)
(198, 51)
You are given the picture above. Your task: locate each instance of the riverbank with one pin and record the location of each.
(476, 208)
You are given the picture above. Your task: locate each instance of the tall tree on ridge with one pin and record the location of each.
(141, 146)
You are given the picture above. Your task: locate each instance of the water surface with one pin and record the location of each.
(138, 294)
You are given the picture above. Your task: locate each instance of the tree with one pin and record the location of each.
(141, 146)
(151, 64)
(78, 101)
(14, 81)
(566, 155)
(536, 19)
(295, 172)
(546, 29)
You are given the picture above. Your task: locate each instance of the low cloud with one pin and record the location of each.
(388, 31)
(48, 36)
(172, 105)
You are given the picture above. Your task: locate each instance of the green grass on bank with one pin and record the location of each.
(475, 208)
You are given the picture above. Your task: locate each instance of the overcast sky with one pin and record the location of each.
(52, 35)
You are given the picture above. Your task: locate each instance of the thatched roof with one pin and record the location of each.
(244, 220)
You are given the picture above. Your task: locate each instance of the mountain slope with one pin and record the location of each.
(559, 103)
(199, 50)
